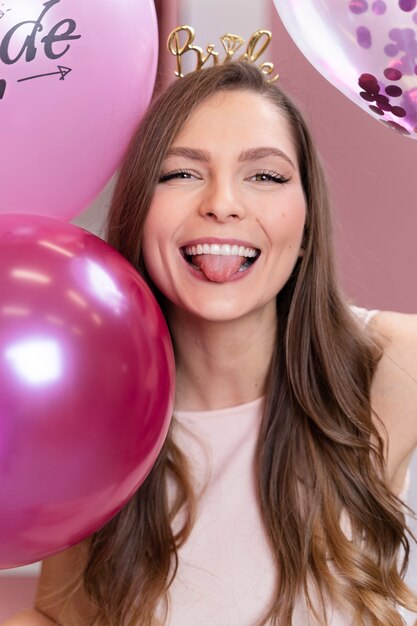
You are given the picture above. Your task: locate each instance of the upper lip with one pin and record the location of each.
(220, 241)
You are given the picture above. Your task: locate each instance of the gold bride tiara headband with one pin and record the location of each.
(255, 48)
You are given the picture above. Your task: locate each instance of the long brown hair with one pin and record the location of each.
(319, 453)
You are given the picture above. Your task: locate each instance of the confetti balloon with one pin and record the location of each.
(87, 383)
(366, 48)
(75, 78)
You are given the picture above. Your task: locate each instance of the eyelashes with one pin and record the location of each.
(263, 176)
(178, 174)
(270, 176)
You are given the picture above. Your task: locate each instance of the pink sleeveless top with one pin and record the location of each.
(226, 573)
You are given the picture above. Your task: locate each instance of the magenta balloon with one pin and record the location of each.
(366, 48)
(75, 78)
(86, 379)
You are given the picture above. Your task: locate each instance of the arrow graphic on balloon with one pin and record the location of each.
(62, 71)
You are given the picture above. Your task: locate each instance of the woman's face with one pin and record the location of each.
(226, 222)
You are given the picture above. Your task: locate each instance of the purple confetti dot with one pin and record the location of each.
(376, 110)
(396, 127)
(385, 106)
(415, 70)
(383, 103)
(415, 18)
(393, 90)
(367, 96)
(392, 73)
(369, 83)
(407, 5)
(399, 111)
(379, 7)
(358, 6)
(364, 37)
(391, 50)
(395, 34)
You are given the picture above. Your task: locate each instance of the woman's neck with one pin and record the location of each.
(221, 364)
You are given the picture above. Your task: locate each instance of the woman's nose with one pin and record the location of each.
(221, 202)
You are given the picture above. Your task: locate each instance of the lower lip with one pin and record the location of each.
(201, 276)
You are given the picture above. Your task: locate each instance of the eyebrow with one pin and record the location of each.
(190, 153)
(264, 151)
(252, 154)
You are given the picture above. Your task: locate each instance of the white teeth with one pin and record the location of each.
(223, 250)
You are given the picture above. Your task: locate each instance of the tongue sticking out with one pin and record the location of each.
(218, 268)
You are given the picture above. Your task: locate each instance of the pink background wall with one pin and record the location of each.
(372, 171)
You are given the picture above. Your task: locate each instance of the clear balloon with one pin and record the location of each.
(75, 78)
(87, 384)
(366, 48)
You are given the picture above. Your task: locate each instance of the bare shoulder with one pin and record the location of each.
(398, 335)
(60, 595)
(397, 326)
(394, 390)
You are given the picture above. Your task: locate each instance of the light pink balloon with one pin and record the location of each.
(75, 78)
(86, 380)
(366, 48)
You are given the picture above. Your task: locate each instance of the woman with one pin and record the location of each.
(276, 498)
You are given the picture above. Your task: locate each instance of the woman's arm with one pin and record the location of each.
(394, 389)
(60, 601)
(60, 594)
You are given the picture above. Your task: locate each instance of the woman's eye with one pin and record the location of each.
(270, 177)
(176, 174)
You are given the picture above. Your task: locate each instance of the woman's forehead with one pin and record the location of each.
(236, 121)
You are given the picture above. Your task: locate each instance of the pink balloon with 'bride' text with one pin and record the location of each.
(75, 78)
